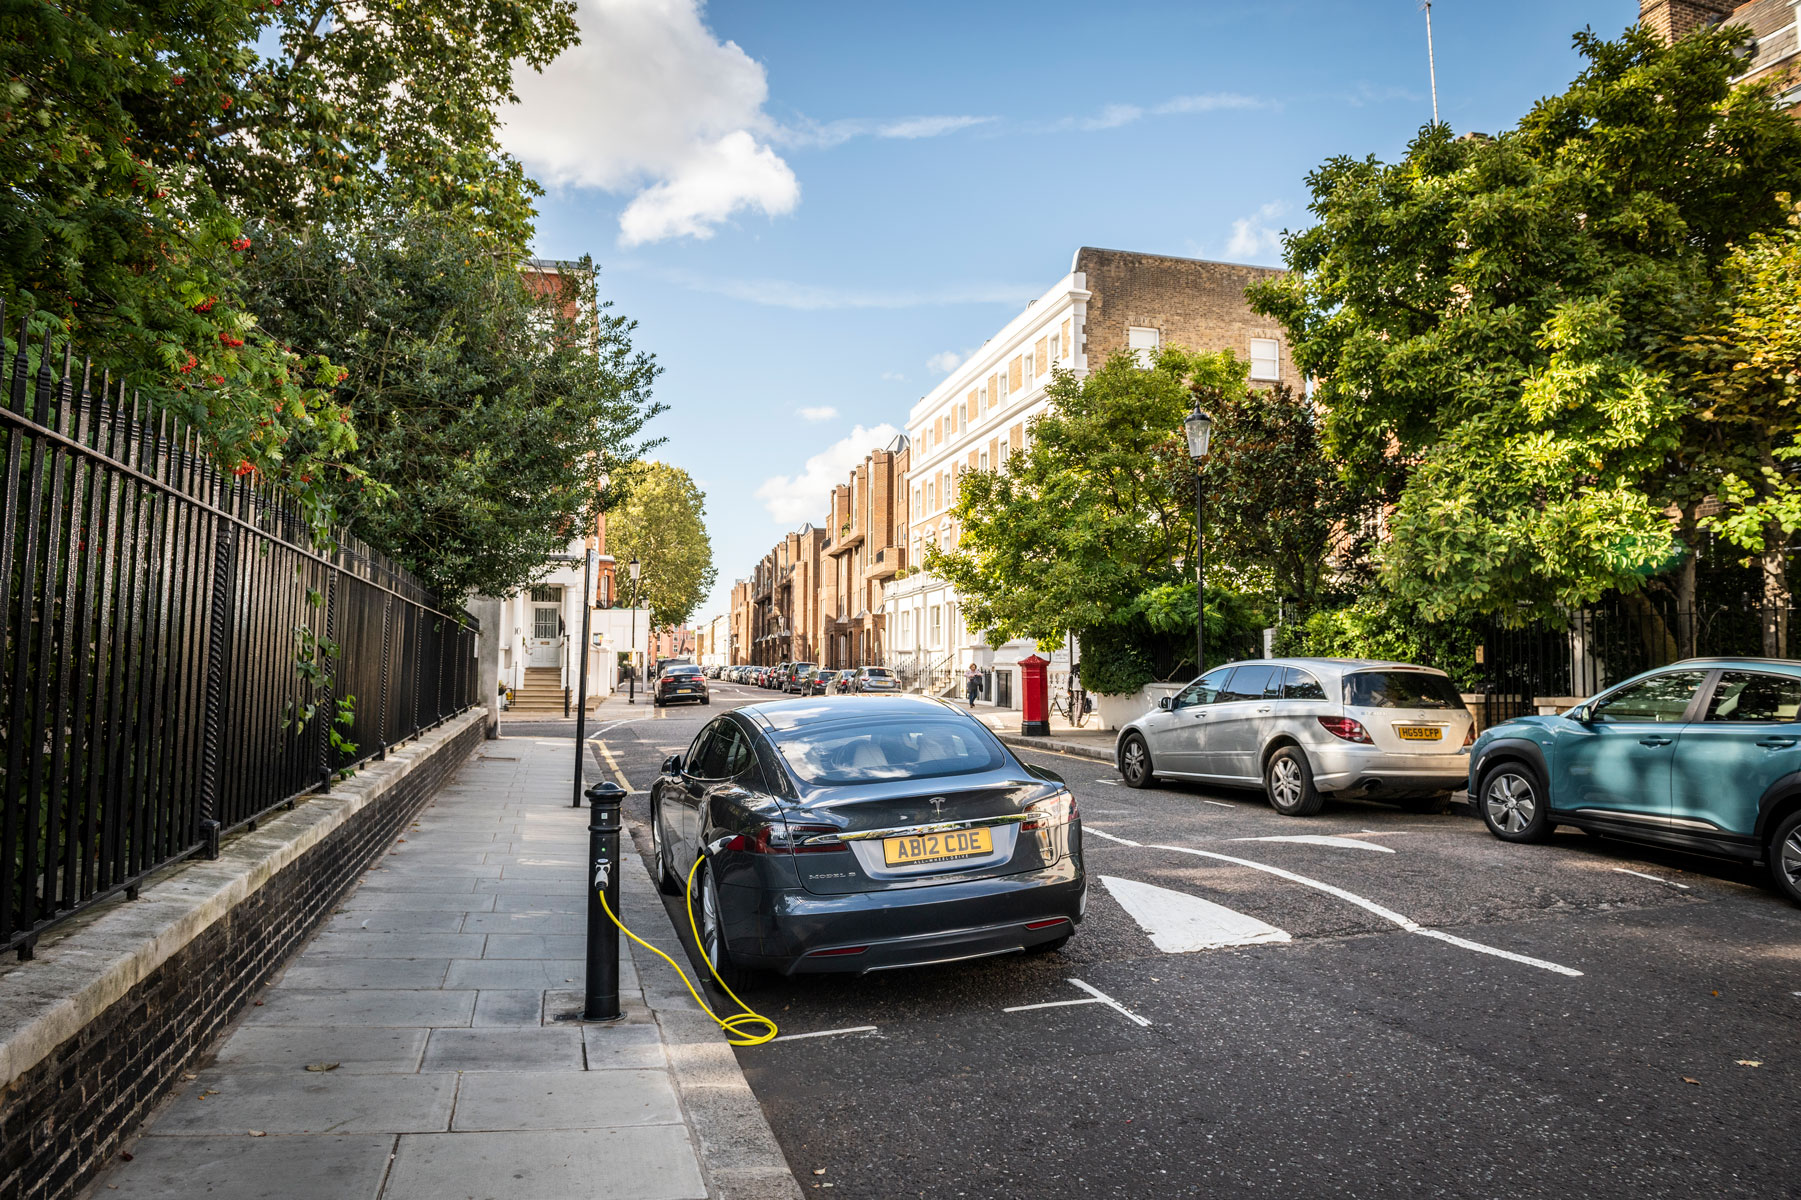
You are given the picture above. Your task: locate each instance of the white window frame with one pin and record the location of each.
(1001, 385)
(983, 460)
(1056, 348)
(1031, 371)
(1146, 355)
(1273, 371)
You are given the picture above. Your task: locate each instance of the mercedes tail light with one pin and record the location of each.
(1469, 736)
(1346, 728)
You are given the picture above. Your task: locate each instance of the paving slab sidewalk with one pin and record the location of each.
(1064, 738)
(427, 1044)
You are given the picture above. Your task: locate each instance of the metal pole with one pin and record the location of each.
(1200, 575)
(1431, 62)
(581, 703)
(602, 1000)
(631, 672)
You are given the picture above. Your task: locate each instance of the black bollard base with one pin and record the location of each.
(1035, 728)
(601, 1001)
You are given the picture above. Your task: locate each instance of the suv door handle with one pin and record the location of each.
(1655, 740)
(1265, 708)
(1777, 743)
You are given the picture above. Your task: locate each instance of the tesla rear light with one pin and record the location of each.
(1057, 809)
(1347, 728)
(782, 838)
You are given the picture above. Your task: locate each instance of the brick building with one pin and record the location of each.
(783, 600)
(867, 522)
(1109, 301)
(1775, 43)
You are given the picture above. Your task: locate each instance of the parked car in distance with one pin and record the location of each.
(804, 679)
(1305, 728)
(681, 683)
(777, 675)
(859, 837)
(844, 682)
(876, 679)
(1702, 755)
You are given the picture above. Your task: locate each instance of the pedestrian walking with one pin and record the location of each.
(972, 684)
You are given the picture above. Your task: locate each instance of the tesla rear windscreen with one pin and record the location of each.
(843, 753)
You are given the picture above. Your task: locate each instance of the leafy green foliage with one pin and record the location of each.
(489, 414)
(1379, 626)
(1091, 528)
(662, 523)
(1495, 323)
(136, 139)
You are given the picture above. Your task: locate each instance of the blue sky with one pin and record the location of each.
(806, 206)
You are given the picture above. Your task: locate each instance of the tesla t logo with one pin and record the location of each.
(937, 803)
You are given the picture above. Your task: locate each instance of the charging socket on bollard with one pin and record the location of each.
(602, 1000)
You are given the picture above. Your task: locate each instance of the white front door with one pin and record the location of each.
(543, 647)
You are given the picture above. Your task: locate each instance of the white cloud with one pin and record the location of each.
(945, 361)
(893, 377)
(803, 497)
(1208, 102)
(823, 412)
(1115, 115)
(652, 103)
(1254, 237)
(836, 133)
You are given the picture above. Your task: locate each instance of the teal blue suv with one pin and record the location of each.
(1703, 755)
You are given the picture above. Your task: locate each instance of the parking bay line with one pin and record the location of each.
(1111, 1003)
(1652, 878)
(1053, 1004)
(819, 1033)
(1109, 837)
(1387, 914)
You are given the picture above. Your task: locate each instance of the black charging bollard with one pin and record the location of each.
(602, 1001)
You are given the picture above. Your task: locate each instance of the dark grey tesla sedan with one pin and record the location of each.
(860, 834)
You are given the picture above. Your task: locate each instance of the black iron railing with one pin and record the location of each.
(167, 671)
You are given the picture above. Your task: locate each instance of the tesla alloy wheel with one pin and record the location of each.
(712, 936)
(1514, 805)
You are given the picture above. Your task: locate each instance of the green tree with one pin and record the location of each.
(489, 414)
(1749, 365)
(135, 141)
(1495, 323)
(1090, 529)
(1276, 507)
(662, 523)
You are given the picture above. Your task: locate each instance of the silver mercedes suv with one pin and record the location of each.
(1305, 728)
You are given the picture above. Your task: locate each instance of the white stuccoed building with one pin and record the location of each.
(1109, 301)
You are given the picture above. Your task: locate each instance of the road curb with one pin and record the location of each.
(739, 1154)
(1058, 746)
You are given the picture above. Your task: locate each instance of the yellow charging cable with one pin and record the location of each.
(734, 1025)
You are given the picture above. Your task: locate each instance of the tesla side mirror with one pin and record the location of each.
(672, 765)
(1165, 702)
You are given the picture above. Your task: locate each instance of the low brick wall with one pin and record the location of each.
(116, 1005)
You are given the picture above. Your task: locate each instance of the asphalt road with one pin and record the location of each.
(1445, 1016)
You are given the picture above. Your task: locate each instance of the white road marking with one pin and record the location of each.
(1387, 914)
(1052, 1004)
(1110, 1002)
(1219, 804)
(1179, 923)
(1108, 782)
(1108, 836)
(1322, 839)
(1652, 878)
(616, 724)
(795, 1037)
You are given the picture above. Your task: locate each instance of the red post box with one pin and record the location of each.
(1035, 696)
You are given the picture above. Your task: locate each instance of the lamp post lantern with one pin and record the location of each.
(1199, 427)
(631, 679)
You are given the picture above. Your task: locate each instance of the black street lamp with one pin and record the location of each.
(1199, 427)
(631, 685)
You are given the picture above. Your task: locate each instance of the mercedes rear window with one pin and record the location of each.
(866, 752)
(1400, 689)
